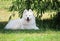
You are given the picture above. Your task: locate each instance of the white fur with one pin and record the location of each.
(23, 23)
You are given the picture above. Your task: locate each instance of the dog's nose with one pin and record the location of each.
(27, 18)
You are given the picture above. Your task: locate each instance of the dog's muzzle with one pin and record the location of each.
(28, 19)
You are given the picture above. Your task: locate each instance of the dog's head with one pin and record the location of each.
(28, 15)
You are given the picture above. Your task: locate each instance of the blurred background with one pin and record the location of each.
(47, 13)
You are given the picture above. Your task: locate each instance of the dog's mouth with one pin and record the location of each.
(28, 19)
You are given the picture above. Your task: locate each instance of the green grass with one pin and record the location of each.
(29, 35)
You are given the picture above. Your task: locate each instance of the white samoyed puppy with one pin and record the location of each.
(26, 22)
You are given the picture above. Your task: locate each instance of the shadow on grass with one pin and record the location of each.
(25, 31)
(2, 24)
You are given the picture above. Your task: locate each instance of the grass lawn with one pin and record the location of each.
(29, 35)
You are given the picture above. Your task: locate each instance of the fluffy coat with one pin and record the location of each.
(26, 22)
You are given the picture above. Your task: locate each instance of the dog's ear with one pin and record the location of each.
(25, 11)
(30, 10)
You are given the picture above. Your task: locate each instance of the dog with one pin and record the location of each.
(26, 22)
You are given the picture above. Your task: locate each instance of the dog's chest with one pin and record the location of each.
(28, 26)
